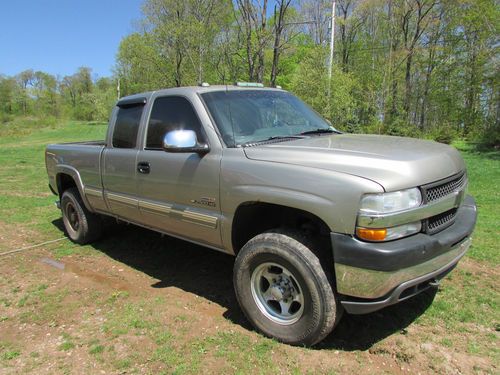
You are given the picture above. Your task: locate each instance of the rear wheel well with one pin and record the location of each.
(64, 182)
(254, 218)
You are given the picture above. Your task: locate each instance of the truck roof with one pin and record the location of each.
(189, 90)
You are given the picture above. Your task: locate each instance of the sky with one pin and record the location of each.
(58, 36)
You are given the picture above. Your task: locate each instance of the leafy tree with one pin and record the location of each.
(45, 93)
(8, 93)
(311, 83)
(404, 67)
(25, 80)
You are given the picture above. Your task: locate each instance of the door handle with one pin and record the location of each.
(143, 167)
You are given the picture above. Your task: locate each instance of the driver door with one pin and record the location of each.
(179, 192)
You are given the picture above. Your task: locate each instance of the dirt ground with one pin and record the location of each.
(137, 302)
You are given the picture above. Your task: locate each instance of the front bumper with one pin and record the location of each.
(370, 276)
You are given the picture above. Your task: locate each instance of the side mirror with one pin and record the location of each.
(183, 141)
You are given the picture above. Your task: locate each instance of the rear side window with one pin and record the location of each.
(171, 113)
(127, 126)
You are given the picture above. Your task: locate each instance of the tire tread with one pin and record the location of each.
(303, 248)
(91, 223)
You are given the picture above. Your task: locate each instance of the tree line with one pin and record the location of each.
(38, 94)
(403, 67)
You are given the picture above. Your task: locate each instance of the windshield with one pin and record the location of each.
(249, 116)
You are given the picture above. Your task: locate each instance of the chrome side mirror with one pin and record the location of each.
(183, 141)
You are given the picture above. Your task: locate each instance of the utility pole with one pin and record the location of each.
(330, 61)
(332, 42)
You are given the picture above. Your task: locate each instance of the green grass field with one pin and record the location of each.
(143, 330)
(24, 195)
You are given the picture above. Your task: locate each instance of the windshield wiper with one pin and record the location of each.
(275, 137)
(281, 137)
(319, 131)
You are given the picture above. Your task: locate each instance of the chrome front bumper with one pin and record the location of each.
(370, 276)
(364, 283)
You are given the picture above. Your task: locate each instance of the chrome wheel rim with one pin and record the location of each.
(277, 293)
(73, 218)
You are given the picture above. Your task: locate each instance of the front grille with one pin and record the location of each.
(434, 192)
(438, 190)
(441, 221)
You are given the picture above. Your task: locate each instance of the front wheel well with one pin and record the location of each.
(253, 218)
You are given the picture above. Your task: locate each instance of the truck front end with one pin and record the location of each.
(405, 241)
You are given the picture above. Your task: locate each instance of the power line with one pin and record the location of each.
(32, 246)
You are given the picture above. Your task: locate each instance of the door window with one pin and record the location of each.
(171, 113)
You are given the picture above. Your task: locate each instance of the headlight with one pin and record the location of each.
(386, 203)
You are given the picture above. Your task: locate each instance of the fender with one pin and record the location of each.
(249, 194)
(71, 171)
(285, 197)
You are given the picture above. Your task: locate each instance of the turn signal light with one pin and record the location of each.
(371, 234)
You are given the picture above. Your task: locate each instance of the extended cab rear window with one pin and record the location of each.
(126, 127)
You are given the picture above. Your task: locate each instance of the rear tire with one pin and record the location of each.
(283, 289)
(82, 226)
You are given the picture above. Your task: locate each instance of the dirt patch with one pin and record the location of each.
(15, 236)
(144, 304)
(10, 193)
(480, 268)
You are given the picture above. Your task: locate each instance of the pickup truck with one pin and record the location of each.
(319, 221)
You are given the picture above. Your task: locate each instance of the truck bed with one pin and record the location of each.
(85, 143)
(83, 158)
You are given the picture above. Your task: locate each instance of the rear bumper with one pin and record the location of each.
(371, 276)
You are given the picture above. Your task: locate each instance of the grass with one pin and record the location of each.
(127, 318)
(24, 194)
(131, 334)
(66, 345)
(8, 351)
(96, 349)
(483, 169)
(240, 352)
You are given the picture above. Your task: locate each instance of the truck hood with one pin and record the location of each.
(393, 162)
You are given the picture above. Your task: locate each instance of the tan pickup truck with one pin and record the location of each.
(319, 221)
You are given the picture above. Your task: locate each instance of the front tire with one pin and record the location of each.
(82, 226)
(283, 289)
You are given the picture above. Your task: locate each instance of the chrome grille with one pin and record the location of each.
(441, 221)
(436, 192)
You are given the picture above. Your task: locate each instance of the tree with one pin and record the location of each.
(316, 14)
(140, 66)
(406, 67)
(184, 33)
(252, 21)
(25, 80)
(8, 93)
(45, 93)
(279, 26)
(414, 20)
(350, 22)
(311, 83)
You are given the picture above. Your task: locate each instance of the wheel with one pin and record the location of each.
(283, 289)
(82, 226)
